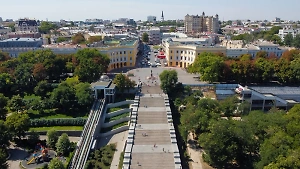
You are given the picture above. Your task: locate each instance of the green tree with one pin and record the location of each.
(78, 38)
(56, 163)
(172, 29)
(169, 79)
(5, 135)
(63, 144)
(229, 106)
(63, 96)
(12, 27)
(3, 103)
(3, 156)
(209, 65)
(296, 41)
(145, 37)
(123, 82)
(6, 82)
(228, 142)
(33, 136)
(83, 94)
(61, 39)
(16, 103)
(92, 64)
(42, 89)
(93, 39)
(18, 124)
(288, 39)
(52, 137)
(46, 27)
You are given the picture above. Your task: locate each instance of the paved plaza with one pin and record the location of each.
(143, 74)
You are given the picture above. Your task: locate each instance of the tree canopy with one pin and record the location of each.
(46, 27)
(168, 80)
(145, 37)
(123, 82)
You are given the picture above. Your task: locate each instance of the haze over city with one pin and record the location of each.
(140, 9)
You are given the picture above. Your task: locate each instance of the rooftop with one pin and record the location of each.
(21, 39)
(278, 90)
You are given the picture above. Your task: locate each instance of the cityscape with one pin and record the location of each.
(200, 91)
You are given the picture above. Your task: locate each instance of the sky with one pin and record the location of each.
(54, 10)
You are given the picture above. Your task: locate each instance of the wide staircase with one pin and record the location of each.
(152, 144)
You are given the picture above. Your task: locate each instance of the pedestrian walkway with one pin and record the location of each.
(152, 146)
(194, 153)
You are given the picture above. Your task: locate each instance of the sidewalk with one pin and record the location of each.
(195, 154)
(119, 139)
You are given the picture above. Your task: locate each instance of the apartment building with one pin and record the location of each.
(26, 25)
(155, 35)
(181, 52)
(283, 32)
(196, 23)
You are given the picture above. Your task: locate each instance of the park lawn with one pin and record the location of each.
(58, 128)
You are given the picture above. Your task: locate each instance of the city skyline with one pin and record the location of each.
(175, 9)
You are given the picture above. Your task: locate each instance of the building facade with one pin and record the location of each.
(155, 35)
(15, 46)
(26, 25)
(151, 19)
(197, 24)
(182, 53)
(283, 32)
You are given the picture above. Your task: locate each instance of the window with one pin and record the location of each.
(171, 51)
(117, 53)
(124, 52)
(130, 52)
(177, 51)
(181, 52)
(181, 58)
(130, 58)
(176, 63)
(120, 52)
(198, 54)
(184, 58)
(176, 57)
(171, 57)
(120, 59)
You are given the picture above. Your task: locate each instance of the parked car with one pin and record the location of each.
(158, 64)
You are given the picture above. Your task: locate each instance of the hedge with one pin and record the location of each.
(58, 122)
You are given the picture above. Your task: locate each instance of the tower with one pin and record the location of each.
(162, 16)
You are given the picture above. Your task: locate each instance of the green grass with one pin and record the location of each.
(71, 128)
(104, 130)
(117, 117)
(110, 110)
(121, 160)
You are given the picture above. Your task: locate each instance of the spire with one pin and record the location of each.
(162, 16)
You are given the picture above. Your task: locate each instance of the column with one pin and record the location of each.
(263, 107)
(96, 93)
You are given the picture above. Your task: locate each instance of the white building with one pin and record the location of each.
(151, 19)
(283, 32)
(236, 48)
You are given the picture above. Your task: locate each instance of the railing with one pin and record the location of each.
(87, 136)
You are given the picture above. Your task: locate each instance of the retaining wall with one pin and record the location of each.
(115, 122)
(119, 103)
(115, 131)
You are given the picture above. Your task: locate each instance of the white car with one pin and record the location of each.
(158, 64)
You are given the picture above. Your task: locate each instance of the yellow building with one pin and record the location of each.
(183, 52)
(122, 54)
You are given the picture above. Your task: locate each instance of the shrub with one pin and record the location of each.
(58, 122)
